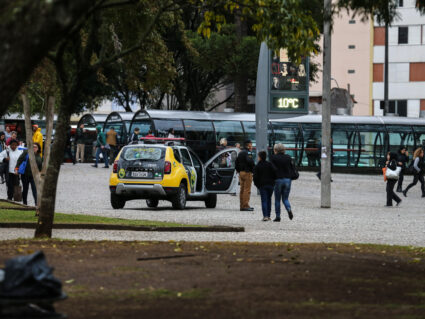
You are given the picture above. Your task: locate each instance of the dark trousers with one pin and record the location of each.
(68, 152)
(417, 177)
(11, 182)
(400, 179)
(390, 192)
(266, 193)
(104, 152)
(26, 181)
(112, 154)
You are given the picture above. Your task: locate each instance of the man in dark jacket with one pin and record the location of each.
(264, 179)
(282, 163)
(135, 136)
(402, 159)
(245, 167)
(101, 147)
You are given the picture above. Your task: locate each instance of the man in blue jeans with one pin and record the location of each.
(282, 188)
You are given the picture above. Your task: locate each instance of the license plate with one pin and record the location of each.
(139, 174)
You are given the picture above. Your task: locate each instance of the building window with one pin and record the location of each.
(351, 71)
(352, 21)
(403, 35)
(400, 3)
(352, 46)
(398, 107)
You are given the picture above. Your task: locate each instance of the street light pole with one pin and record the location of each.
(325, 152)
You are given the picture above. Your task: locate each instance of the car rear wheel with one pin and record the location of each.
(152, 203)
(117, 201)
(211, 201)
(179, 200)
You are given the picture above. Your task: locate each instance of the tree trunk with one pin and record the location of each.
(240, 79)
(39, 175)
(48, 199)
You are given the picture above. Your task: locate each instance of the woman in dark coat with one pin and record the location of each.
(392, 165)
(264, 179)
(403, 159)
(27, 177)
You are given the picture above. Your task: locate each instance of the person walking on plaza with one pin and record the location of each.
(37, 137)
(402, 159)
(264, 180)
(68, 146)
(101, 147)
(135, 136)
(392, 165)
(111, 140)
(418, 171)
(79, 141)
(282, 188)
(3, 167)
(245, 167)
(10, 157)
(27, 177)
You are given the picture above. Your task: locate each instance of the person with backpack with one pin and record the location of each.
(403, 159)
(26, 175)
(282, 188)
(264, 180)
(418, 173)
(392, 164)
(101, 147)
(10, 157)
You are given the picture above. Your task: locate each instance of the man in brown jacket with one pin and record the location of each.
(245, 167)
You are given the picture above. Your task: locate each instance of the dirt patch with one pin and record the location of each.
(227, 280)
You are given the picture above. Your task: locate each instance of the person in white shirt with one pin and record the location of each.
(171, 133)
(10, 157)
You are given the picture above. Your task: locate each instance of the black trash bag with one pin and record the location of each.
(30, 277)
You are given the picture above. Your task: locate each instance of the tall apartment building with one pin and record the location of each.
(351, 61)
(406, 69)
(358, 53)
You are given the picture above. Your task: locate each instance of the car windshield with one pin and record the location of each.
(143, 153)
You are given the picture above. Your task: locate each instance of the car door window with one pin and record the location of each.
(177, 155)
(225, 160)
(185, 157)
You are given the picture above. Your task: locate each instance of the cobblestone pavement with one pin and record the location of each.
(357, 215)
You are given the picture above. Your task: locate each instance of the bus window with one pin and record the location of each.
(372, 138)
(289, 136)
(162, 127)
(231, 130)
(312, 136)
(201, 138)
(398, 136)
(345, 142)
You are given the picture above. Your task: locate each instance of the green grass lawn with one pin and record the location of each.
(18, 216)
(9, 205)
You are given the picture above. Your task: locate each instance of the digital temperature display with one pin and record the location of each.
(288, 104)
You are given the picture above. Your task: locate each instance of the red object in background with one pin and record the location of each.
(167, 168)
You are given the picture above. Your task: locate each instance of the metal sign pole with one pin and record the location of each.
(262, 99)
(326, 153)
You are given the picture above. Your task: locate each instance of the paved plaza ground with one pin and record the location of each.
(357, 215)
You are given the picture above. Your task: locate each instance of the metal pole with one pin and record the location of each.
(325, 152)
(261, 99)
(386, 102)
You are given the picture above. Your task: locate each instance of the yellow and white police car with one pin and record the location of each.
(170, 172)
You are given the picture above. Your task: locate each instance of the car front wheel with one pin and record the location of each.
(152, 203)
(179, 199)
(211, 201)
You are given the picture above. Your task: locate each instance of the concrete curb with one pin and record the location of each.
(225, 229)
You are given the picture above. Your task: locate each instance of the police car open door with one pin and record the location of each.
(220, 173)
